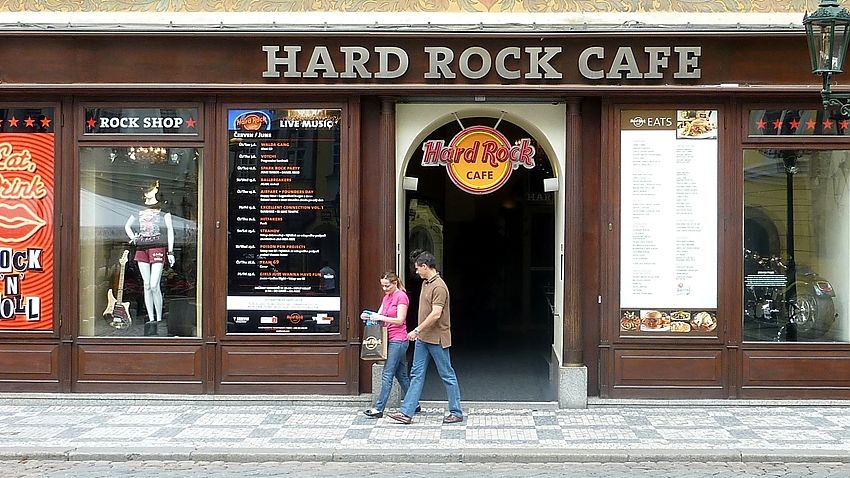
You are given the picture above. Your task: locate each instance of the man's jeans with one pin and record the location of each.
(422, 353)
(395, 366)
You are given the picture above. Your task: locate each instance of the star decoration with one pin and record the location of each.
(91, 122)
(760, 124)
(45, 122)
(827, 123)
(794, 123)
(190, 122)
(844, 124)
(777, 124)
(13, 122)
(810, 124)
(29, 122)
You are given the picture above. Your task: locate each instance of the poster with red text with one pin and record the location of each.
(26, 219)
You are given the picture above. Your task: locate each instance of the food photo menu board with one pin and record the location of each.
(668, 214)
(283, 233)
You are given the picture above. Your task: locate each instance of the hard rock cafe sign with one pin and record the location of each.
(479, 159)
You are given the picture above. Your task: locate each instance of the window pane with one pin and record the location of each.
(139, 241)
(796, 259)
(798, 123)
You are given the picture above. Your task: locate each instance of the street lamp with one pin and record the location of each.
(827, 34)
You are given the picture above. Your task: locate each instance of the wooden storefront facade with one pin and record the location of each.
(595, 78)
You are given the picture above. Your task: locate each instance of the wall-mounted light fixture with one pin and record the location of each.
(550, 185)
(409, 183)
(827, 35)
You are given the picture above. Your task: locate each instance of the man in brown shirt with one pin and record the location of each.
(433, 338)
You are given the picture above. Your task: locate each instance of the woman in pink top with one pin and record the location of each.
(393, 313)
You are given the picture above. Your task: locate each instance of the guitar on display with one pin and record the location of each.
(117, 313)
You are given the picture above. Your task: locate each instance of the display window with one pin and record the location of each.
(796, 230)
(139, 241)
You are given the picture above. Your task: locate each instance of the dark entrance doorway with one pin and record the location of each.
(496, 253)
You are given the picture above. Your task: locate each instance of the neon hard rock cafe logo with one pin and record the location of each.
(252, 121)
(479, 159)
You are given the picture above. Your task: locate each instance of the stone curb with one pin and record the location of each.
(89, 453)
(595, 402)
(119, 399)
(472, 455)
(28, 453)
(802, 456)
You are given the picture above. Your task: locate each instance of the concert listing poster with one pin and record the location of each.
(26, 218)
(283, 221)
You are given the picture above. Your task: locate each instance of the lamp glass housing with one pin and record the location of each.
(827, 34)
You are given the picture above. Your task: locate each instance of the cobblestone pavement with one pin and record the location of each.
(210, 432)
(184, 469)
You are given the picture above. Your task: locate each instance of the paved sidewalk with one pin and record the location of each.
(211, 430)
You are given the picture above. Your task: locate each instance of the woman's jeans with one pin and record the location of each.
(395, 366)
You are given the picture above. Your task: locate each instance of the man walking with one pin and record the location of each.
(433, 338)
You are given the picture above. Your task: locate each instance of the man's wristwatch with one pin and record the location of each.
(416, 330)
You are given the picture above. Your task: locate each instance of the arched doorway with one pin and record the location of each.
(496, 252)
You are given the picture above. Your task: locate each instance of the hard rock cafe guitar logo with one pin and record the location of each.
(252, 121)
(479, 159)
(371, 343)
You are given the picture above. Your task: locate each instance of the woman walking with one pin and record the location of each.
(393, 314)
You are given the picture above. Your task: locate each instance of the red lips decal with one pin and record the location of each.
(18, 223)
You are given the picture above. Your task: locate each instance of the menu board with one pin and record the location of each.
(27, 146)
(668, 217)
(283, 242)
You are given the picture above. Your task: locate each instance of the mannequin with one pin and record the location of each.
(152, 249)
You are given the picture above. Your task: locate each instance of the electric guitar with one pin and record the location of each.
(117, 313)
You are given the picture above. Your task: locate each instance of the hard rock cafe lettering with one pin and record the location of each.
(510, 63)
(479, 159)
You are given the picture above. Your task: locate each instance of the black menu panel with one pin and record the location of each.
(283, 235)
